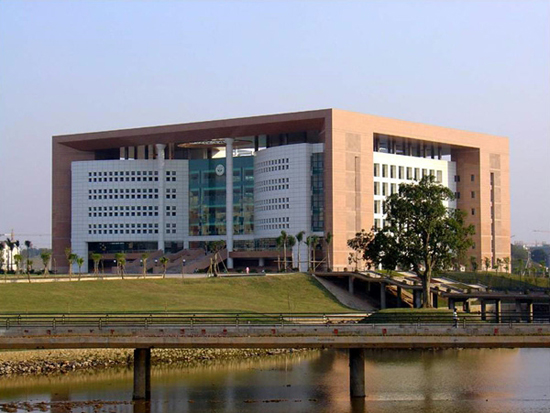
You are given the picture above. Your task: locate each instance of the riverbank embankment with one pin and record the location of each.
(64, 361)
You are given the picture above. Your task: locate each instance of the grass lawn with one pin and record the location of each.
(278, 293)
(501, 281)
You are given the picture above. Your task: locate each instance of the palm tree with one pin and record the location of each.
(72, 260)
(80, 263)
(299, 240)
(328, 241)
(314, 243)
(96, 258)
(2, 245)
(284, 237)
(164, 262)
(291, 244)
(45, 256)
(506, 261)
(279, 241)
(144, 257)
(499, 264)
(120, 258)
(18, 258)
(309, 243)
(28, 244)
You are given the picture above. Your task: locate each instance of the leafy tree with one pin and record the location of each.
(487, 262)
(72, 260)
(284, 240)
(29, 268)
(473, 264)
(80, 263)
(164, 262)
(314, 243)
(45, 257)
(96, 258)
(299, 240)
(420, 234)
(498, 265)
(506, 261)
(144, 258)
(328, 241)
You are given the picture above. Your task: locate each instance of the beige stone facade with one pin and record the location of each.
(482, 165)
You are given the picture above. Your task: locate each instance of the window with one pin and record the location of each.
(376, 207)
(392, 171)
(401, 172)
(472, 178)
(384, 171)
(439, 177)
(473, 194)
(473, 211)
(376, 169)
(409, 173)
(377, 188)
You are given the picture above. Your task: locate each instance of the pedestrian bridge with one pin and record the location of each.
(143, 332)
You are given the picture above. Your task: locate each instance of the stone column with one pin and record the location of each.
(229, 199)
(162, 195)
(350, 284)
(435, 299)
(382, 295)
(398, 297)
(261, 262)
(142, 374)
(357, 372)
(483, 310)
(497, 311)
(417, 298)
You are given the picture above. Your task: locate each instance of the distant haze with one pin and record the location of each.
(68, 67)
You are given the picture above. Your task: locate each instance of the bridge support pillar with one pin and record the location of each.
(350, 284)
(451, 303)
(497, 311)
(357, 372)
(483, 310)
(417, 298)
(399, 305)
(261, 262)
(435, 297)
(142, 374)
(382, 295)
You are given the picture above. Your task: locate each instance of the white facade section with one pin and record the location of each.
(392, 170)
(282, 192)
(118, 201)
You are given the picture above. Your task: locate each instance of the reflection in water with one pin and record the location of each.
(449, 381)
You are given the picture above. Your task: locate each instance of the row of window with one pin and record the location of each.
(272, 226)
(272, 182)
(273, 220)
(273, 188)
(402, 172)
(122, 208)
(281, 161)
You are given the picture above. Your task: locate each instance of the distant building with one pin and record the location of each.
(169, 187)
(8, 263)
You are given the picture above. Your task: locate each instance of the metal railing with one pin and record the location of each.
(196, 319)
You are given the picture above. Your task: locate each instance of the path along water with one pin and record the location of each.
(450, 381)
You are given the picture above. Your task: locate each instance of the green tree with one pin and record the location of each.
(164, 262)
(96, 258)
(506, 261)
(120, 258)
(2, 259)
(328, 241)
(80, 263)
(314, 243)
(284, 240)
(45, 256)
(487, 262)
(144, 258)
(17, 258)
(299, 240)
(291, 243)
(420, 234)
(28, 244)
(473, 264)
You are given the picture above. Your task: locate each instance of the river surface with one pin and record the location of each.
(450, 381)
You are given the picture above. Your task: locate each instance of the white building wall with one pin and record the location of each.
(443, 170)
(118, 201)
(282, 192)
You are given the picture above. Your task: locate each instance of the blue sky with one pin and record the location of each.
(77, 66)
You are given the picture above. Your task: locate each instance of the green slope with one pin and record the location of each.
(279, 293)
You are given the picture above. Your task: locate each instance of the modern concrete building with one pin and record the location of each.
(169, 187)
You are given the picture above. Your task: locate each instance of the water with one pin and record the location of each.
(450, 381)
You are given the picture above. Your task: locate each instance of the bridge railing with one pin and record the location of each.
(181, 320)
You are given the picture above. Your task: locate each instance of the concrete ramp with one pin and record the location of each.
(346, 298)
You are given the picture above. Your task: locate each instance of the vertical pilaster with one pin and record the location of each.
(382, 295)
(229, 199)
(162, 195)
(350, 284)
(142, 374)
(357, 372)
